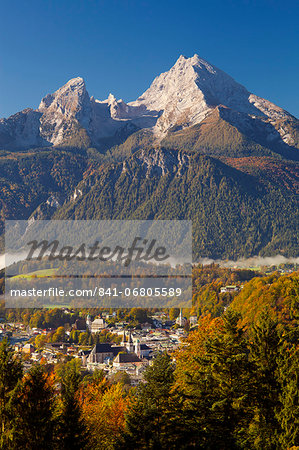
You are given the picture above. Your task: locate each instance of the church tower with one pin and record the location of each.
(88, 322)
(130, 345)
(124, 341)
(181, 320)
(138, 348)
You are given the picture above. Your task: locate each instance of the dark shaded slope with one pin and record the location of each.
(233, 214)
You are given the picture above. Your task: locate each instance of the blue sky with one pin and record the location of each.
(120, 46)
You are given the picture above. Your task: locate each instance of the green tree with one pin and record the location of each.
(74, 335)
(59, 335)
(33, 405)
(121, 377)
(288, 414)
(220, 391)
(147, 424)
(276, 359)
(72, 433)
(138, 315)
(10, 374)
(83, 338)
(40, 341)
(174, 313)
(90, 340)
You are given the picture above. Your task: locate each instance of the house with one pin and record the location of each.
(56, 347)
(28, 349)
(225, 289)
(145, 351)
(126, 359)
(193, 320)
(36, 356)
(71, 350)
(142, 350)
(98, 325)
(80, 325)
(102, 352)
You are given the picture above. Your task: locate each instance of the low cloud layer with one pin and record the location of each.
(242, 263)
(255, 261)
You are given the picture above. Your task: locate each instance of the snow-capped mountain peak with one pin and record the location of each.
(189, 91)
(192, 89)
(181, 97)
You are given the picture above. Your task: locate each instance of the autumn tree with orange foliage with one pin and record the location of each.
(103, 410)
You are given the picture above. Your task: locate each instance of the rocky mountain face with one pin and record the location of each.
(196, 145)
(60, 110)
(193, 88)
(176, 100)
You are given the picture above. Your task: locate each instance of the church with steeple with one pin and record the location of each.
(128, 351)
(128, 342)
(181, 321)
(141, 350)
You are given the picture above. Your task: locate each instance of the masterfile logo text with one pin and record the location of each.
(98, 263)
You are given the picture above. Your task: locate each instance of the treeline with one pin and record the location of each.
(278, 295)
(56, 317)
(228, 389)
(207, 282)
(40, 318)
(75, 337)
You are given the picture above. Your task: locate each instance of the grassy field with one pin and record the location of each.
(38, 274)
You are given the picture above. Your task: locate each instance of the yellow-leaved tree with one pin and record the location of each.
(103, 409)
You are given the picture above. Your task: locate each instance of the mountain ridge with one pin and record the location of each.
(232, 212)
(183, 96)
(196, 145)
